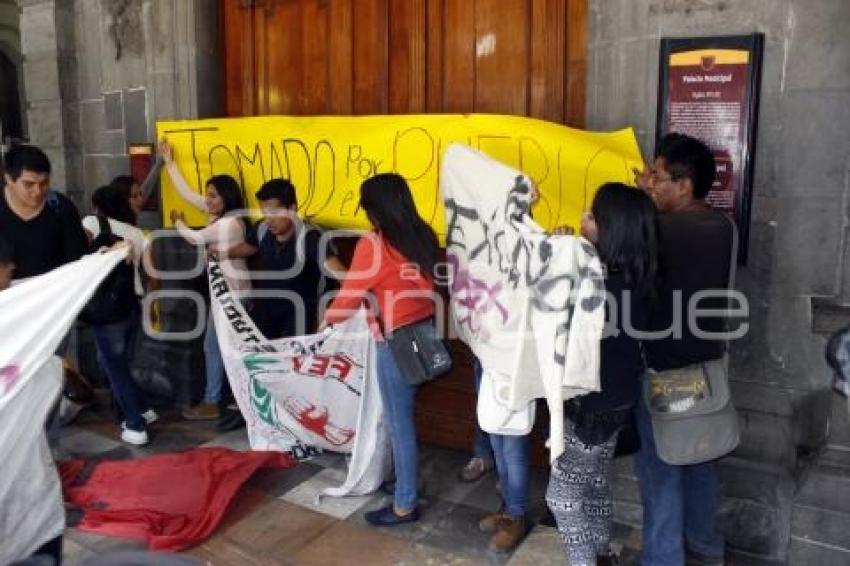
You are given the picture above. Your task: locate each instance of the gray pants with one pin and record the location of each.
(579, 496)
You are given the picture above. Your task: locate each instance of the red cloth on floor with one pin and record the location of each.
(172, 501)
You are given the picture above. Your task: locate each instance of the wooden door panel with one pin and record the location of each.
(370, 48)
(458, 57)
(340, 64)
(315, 32)
(502, 56)
(407, 56)
(279, 51)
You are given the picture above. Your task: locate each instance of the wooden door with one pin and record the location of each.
(308, 57)
(343, 57)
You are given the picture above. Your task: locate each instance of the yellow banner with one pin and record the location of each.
(328, 157)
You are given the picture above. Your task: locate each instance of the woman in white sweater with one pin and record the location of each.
(224, 204)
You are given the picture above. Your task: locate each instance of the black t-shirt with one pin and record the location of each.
(621, 363)
(53, 238)
(695, 250)
(296, 262)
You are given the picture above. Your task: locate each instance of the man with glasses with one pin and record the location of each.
(680, 502)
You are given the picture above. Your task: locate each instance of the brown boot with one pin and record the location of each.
(510, 533)
(202, 412)
(491, 523)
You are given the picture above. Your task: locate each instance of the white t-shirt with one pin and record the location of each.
(127, 232)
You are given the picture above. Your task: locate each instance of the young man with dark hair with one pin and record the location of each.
(680, 502)
(291, 261)
(43, 226)
(43, 230)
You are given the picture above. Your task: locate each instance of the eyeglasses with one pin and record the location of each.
(655, 178)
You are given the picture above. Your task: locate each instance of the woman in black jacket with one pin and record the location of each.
(622, 224)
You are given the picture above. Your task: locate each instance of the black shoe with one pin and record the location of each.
(387, 517)
(230, 420)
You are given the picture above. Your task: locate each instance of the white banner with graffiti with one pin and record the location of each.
(529, 304)
(36, 316)
(306, 393)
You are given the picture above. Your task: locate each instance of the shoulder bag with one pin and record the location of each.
(693, 419)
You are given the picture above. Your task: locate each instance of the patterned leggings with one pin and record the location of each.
(579, 496)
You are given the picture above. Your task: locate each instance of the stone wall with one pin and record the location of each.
(10, 45)
(10, 36)
(798, 240)
(99, 73)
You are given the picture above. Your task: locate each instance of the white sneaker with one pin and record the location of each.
(136, 437)
(150, 416)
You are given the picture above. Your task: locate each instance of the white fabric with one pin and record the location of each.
(317, 391)
(529, 304)
(37, 314)
(31, 510)
(129, 233)
(494, 415)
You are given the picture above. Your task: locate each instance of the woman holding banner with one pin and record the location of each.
(224, 204)
(395, 265)
(622, 225)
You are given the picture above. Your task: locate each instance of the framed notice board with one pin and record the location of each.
(709, 89)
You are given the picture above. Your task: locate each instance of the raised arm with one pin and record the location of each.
(177, 178)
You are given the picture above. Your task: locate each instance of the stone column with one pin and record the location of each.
(100, 73)
(40, 52)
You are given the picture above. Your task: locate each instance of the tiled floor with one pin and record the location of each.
(276, 518)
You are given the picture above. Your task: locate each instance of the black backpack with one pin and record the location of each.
(115, 298)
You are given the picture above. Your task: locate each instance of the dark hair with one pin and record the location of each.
(627, 223)
(25, 157)
(6, 251)
(229, 191)
(281, 189)
(387, 200)
(110, 201)
(687, 157)
(231, 195)
(123, 182)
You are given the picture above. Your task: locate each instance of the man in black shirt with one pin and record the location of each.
(291, 260)
(42, 226)
(680, 502)
(44, 231)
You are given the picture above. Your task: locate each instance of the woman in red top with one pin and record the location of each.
(394, 265)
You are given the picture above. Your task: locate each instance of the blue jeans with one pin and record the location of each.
(397, 396)
(214, 364)
(114, 347)
(482, 447)
(679, 503)
(511, 456)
